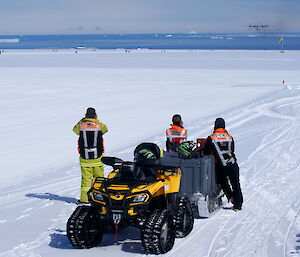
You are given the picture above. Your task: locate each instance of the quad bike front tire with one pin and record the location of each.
(84, 228)
(158, 234)
(184, 220)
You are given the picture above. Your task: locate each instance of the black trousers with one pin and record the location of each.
(229, 179)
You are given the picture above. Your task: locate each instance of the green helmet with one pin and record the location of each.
(185, 150)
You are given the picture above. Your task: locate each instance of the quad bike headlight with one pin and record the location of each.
(98, 197)
(139, 198)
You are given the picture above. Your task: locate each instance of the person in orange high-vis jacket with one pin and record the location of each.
(176, 134)
(221, 145)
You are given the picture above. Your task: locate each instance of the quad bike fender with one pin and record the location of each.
(156, 187)
(171, 181)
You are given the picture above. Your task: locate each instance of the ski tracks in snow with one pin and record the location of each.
(269, 222)
(29, 210)
(268, 225)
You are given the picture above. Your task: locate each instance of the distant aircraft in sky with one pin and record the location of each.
(258, 27)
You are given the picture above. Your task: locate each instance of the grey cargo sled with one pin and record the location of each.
(198, 182)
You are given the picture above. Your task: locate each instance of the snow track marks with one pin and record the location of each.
(270, 183)
(267, 226)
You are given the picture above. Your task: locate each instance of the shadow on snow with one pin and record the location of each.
(50, 196)
(60, 240)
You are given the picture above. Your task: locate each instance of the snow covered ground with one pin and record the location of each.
(44, 93)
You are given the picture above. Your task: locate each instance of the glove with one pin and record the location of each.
(185, 150)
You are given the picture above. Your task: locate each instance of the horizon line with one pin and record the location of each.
(166, 33)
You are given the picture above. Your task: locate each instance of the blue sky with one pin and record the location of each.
(146, 16)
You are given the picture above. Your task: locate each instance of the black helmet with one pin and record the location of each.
(219, 123)
(147, 154)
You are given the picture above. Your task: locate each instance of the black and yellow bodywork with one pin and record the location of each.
(143, 193)
(113, 195)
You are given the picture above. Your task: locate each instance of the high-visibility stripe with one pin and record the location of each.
(90, 126)
(95, 138)
(221, 154)
(85, 139)
(179, 130)
(219, 138)
(176, 136)
(84, 129)
(97, 164)
(91, 150)
(86, 153)
(85, 188)
(183, 133)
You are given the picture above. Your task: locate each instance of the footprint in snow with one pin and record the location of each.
(221, 249)
(27, 210)
(23, 216)
(47, 204)
(222, 246)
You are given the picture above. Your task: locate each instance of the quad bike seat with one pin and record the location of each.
(132, 172)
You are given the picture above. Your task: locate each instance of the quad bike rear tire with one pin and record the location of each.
(158, 234)
(84, 228)
(184, 220)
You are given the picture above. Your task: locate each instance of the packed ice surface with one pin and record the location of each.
(44, 93)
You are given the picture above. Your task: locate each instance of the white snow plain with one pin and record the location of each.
(44, 93)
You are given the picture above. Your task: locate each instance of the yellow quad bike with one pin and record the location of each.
(143, 193)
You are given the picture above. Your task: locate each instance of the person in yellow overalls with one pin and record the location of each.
(90, 148)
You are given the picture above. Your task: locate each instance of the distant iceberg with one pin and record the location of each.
(217, 37)
(9, 40)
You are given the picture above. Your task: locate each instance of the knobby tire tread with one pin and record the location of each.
(151, 233)
(184, 208)
(77, 228)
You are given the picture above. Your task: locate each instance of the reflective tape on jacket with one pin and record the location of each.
(90, 139)
(89, 125)
(85, 188)
(176, 134)
(221, 138)
(97, 164)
